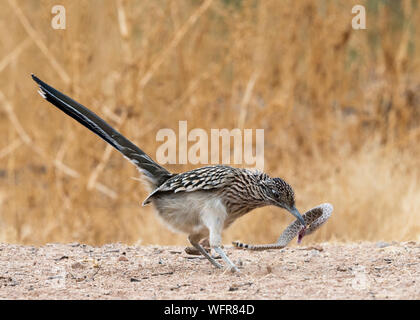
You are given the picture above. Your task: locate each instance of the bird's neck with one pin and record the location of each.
(245, 193)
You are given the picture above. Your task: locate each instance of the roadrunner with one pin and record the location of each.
(200, 202)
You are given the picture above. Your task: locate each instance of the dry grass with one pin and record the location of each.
(340, 109)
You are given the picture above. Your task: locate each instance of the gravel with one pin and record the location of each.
(117, 271)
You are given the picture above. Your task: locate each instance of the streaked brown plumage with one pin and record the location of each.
(200, 202)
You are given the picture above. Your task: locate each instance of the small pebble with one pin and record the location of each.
(77, 265)
(382, 244)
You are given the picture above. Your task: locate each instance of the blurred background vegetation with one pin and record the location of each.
(340, 109)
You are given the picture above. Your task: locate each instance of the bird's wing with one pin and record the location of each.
(205, 178)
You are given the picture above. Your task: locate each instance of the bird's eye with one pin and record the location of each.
(275, 193)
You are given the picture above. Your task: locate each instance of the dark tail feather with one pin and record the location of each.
(154, 172)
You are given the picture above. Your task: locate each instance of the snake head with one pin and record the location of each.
(301, 234)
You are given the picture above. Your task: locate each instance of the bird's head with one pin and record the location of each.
(279, 193)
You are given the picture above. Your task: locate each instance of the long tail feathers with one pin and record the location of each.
(155, 173)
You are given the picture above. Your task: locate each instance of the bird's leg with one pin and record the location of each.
(215, 225)
(194, 241)
(194, 251)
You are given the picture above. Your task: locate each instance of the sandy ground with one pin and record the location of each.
(116, 271)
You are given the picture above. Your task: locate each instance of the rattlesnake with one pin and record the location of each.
(314, 218)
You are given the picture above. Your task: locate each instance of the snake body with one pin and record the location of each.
(314, 218)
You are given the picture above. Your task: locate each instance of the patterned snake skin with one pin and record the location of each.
(314, 218)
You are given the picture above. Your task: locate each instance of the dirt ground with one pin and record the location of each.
(116, 271)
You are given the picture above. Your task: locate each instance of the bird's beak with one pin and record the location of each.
(296, 213)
